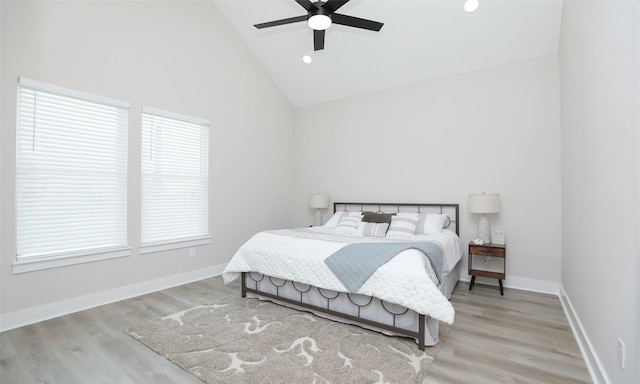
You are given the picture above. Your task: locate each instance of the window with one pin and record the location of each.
(174, 180)
(71, 177)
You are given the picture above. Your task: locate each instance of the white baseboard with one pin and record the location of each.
(60, 308)
(540, 286)
(596, 370)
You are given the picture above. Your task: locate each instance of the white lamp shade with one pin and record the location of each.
(484, 203)
(319, 200)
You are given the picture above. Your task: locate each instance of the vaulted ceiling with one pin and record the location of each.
(420, 40)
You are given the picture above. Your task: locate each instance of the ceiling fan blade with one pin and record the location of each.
(334, 5)
(318, 40)
(306, 4)
(356, 22)
(281, 22)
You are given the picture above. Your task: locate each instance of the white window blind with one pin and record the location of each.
(175, 153)
(71, 172)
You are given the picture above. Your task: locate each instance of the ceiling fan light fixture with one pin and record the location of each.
(319, 22)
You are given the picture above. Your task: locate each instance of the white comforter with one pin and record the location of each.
(298, 255)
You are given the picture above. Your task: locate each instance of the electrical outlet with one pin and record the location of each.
(621, 352)
(192, 252)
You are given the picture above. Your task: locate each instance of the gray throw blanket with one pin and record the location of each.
(353, 264)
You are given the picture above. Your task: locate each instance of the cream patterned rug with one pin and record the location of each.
(236, 340)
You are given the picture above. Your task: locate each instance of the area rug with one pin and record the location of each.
(236, 340)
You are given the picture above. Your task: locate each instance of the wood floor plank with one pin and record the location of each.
(521, 337)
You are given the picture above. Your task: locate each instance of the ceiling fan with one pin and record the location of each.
(320, 15)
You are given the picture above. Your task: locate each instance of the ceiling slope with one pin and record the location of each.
(420, 40)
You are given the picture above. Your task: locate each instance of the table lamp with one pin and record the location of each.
(318, 201)
(484, 203)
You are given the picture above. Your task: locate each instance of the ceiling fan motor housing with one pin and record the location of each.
(319, 19)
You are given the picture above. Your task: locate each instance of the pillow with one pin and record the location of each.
(333, 221)
(372, 229)
(377, 217)
(430, 223)
(348, 223)
(403, 225)
(447, 222)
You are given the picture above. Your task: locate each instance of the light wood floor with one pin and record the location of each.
(522, 337)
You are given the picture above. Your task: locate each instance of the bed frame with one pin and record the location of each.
(252, 282)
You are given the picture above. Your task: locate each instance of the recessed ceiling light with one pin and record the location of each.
(471, 5)
(307, 59)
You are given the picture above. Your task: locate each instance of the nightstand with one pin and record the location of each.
(488, 250)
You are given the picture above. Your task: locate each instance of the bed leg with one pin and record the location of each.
(421, 332)
(244, 290)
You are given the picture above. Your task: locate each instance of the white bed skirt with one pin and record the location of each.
(363, 307)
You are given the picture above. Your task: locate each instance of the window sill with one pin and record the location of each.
(159, 247)
(37, 264)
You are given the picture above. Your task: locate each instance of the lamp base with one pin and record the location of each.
(484, 233)
(317, 221)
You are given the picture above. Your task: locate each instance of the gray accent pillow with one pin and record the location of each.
(377, 217)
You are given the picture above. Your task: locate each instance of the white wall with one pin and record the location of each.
(600, 196)
(178, 56)
(636, 62)
(494, 130)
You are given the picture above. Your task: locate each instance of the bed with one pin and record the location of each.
(331, 270)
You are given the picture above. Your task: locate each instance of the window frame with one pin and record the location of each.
(181, 242)
(60, 257)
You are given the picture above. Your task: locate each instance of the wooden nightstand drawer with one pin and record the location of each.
(486, 251)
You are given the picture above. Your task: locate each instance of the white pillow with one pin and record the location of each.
(348, 223)
(403, 225)
(372, 229)
(333, 221)
(430, 223)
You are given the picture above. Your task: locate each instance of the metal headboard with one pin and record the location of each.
(452, 210)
